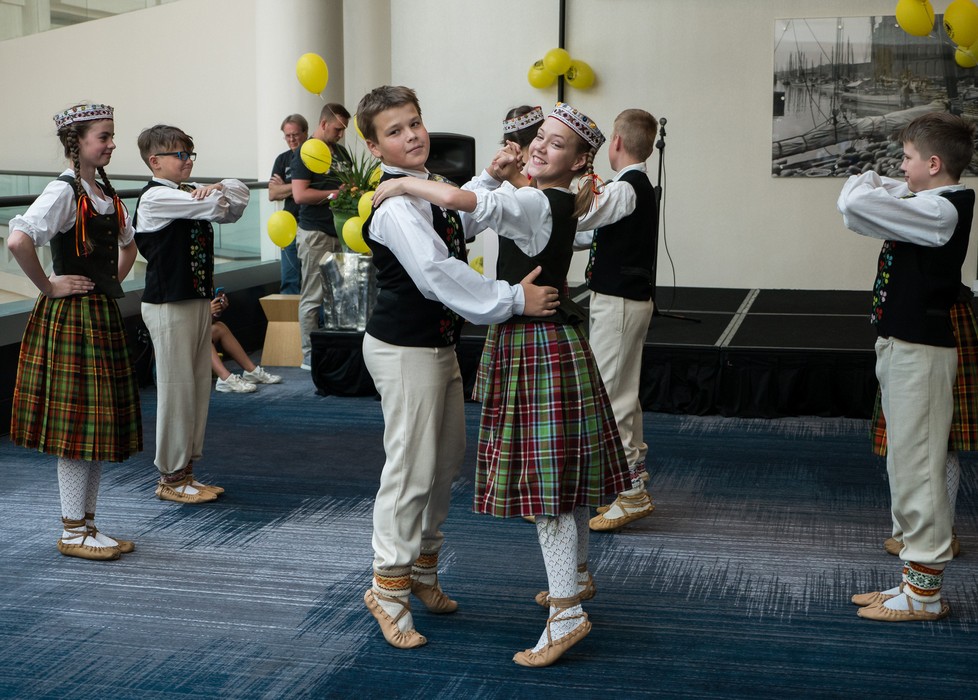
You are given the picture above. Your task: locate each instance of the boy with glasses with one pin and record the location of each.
(174, 233)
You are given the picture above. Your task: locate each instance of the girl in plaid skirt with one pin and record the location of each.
(75, 395)
(548, 442)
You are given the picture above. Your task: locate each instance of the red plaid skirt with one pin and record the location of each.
(964, 424)
(548, 441)
(75, 394)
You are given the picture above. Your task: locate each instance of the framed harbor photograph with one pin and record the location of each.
(842, 86)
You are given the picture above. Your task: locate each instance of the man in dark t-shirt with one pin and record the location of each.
(295, 129)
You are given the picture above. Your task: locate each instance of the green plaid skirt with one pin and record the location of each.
(964, 424)
(75, 394)
(548, 441)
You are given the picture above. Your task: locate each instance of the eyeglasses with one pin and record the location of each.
(299, 135)
(182, 155)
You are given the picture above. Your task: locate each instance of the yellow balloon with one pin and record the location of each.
(539, 77)
(915, 17)
(557, 61)
(312, 72)
(965, 57)
(315, 155)
(353, 235)
(961, 22)
(375, 176)
(478, 264)
(356, 127)
(365, 205)
(580, 75)
(281, 228)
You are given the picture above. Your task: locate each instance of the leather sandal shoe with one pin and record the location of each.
(388, 625)
(554, 649)
(74, 545)
(433, 597)
(881, 613)
(634, 508)
(177, 492)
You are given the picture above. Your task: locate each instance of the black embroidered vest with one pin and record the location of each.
(402, 315)
(916, 285)
(179, 259)
(622, 254)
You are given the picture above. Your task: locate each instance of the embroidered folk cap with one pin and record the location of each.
(82, 113)
(534, 116)
(583, 125)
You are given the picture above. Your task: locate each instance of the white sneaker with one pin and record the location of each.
(260, 376)
(306, 366)
(235, 384)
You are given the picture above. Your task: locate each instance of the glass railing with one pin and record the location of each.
(23, 17)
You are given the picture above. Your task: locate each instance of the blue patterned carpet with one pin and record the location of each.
(737, 585)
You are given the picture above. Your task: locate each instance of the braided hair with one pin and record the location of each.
(589, 184)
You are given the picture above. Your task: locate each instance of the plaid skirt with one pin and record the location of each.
(548, 441)
(76, 395)
(964, 424)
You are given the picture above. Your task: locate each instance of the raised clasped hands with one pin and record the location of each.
(507, 163)
(538, 301)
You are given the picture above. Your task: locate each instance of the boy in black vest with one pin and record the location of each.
(425, 288)
(174, 234)
(619, 274)
(925, 222)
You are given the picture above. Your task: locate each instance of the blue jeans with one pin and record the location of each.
(291, 270)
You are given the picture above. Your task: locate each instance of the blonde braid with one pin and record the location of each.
(585, 193)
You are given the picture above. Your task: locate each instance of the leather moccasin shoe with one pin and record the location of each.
(881, 613)
(177, 492)
(388, 625)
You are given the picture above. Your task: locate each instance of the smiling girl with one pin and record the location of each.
(75, 395)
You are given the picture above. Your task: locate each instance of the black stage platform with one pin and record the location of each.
(755, 353)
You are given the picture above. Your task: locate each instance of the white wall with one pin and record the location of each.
(707, 66)
(224, 71)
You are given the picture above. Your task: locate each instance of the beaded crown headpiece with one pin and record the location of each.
(583, 125)
(82, 113)
(534, 116)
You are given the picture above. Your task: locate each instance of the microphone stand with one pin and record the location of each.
(658, 189)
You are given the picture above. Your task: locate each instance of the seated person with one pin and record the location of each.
(222, 335)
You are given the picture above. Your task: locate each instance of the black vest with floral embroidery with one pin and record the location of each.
(179, 259)
(916, 285)
(402, 315)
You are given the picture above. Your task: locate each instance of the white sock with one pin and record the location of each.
(558, 542)
(91, 501)
(73, 488)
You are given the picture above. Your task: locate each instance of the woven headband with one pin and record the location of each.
(583, 126)
(82, 113)
(534, 116)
